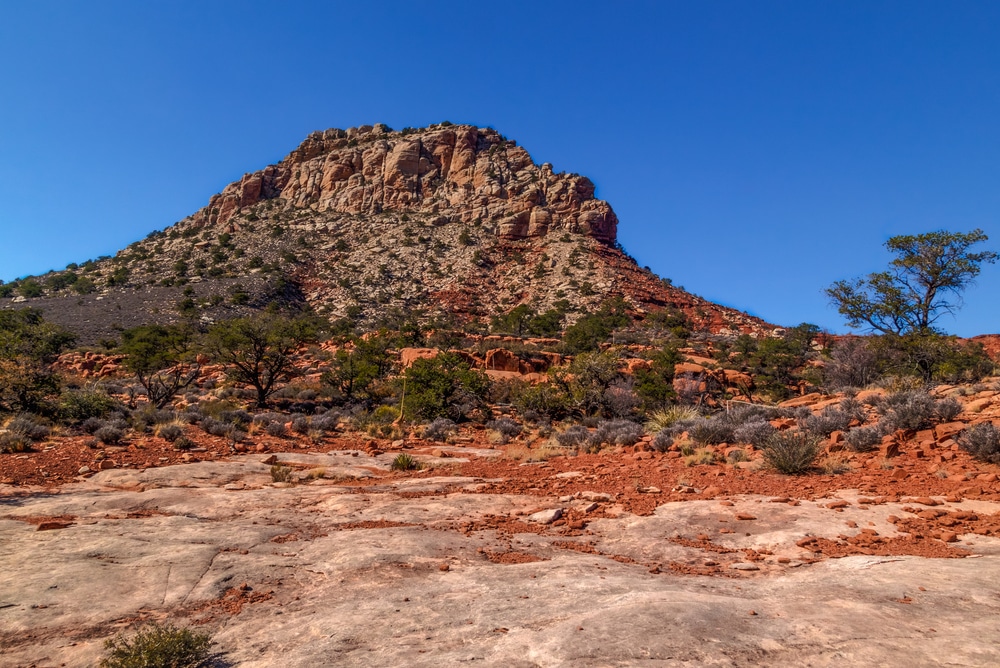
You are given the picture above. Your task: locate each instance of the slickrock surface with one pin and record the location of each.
(355, 566)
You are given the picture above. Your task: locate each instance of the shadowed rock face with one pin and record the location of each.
(460, 173)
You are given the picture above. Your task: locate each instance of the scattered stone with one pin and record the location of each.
(745, 566)
(546, 516)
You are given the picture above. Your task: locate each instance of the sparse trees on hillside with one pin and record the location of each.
(28, 345)
(258, 350)
(923, 282)
(160, 357)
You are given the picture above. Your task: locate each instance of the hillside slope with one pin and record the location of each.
(449, 222)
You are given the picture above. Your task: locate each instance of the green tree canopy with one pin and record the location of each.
(923, 282)
(157, 354)
(258, 350)
(28, 345)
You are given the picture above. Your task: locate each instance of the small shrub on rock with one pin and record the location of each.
(404, 462)
(615, 432)
(982, 441)
(506, 427)
(281, 473)
(92, 424)
(170, 432)
(183, 443)
(864, 439)
(712, 431)
(29, 426)
(791, 452)
(276, 429)
(327, 422)
(11, 442)
(755, 432)
(915, 409)
(575, 436)
(439, 430)
(300, 424)
(109, 435)
(663, 440)
(158, 646)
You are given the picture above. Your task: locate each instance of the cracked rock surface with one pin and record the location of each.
(353, 570)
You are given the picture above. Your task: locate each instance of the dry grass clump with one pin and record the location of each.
(791, 452)
(158, 646)
(520, 452)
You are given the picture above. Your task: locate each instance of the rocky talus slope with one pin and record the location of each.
(449, 220)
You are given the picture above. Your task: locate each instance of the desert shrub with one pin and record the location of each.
(439, 429)
(756, 432)
(791, 452)
(240, 418)
(158, 646)
(80, 405)
(506, 427)
(281, 473)
(834, 419)
(380, 422)
(276, 429)
(544, 399)
(712, 431)
(620, 399)
(443, 386)
(864, 439)
(699, 458)
(852, 364)
(947, 409)
(90, 425)
(264, 419)
(663, 440)
(615, 432)
(574, 436)
(300, 424)
(404, 462)
(30, 427)
(982, 441)
(109, 435)
(11, 442)
(215, 427)
(326, 422)
(915, 409)
(170, 432)
(667, 417)
(183, 443)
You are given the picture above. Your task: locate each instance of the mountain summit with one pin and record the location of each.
(450, 222)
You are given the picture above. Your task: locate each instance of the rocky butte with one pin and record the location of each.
(448, 221)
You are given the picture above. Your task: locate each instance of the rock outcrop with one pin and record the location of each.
(458, 173)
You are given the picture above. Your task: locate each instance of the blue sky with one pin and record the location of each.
(754, 151)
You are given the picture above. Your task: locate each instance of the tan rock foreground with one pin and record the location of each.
(351, 570)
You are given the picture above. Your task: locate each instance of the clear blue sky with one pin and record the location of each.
(754, 151)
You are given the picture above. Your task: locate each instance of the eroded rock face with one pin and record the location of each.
(461, 173)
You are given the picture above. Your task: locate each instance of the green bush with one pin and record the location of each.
(443, 386)
(404, 462)
(79, 405)
(158, 646)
